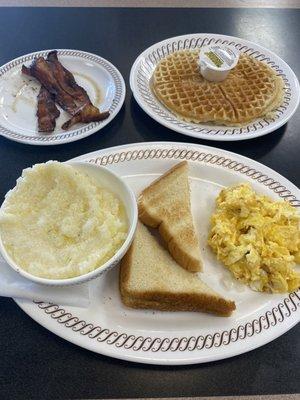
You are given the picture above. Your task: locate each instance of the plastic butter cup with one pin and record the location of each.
(216, 61)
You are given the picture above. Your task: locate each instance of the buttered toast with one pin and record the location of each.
(151, 278)
(165, 205)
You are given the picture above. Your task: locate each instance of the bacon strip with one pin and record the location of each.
(89, 113)
(61, 84)
(67, 82)
(47, 112)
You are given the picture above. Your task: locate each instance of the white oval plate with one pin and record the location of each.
(146, 62)
(108, 327)
(18, 97)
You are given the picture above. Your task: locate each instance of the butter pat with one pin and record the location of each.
(216, 61)
(58, 223)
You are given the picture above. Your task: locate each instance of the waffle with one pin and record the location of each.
(177, 66)
(250, 91)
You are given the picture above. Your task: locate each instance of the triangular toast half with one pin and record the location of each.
(166, 205)
(151, 278)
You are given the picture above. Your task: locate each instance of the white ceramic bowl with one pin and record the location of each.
(115, 184)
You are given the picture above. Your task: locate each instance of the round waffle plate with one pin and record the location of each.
(145, 64)
(108, 327)
(18, 97)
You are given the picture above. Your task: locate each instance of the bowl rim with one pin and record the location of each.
(113, 261)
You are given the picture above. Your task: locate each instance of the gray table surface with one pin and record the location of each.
(36, 364)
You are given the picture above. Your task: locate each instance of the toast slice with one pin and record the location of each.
(151, 278)
(165, 205)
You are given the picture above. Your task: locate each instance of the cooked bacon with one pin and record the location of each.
(89, 113)
(26, 70)
(47, 112)
(67, 81)
(66, 92)
(41, 70)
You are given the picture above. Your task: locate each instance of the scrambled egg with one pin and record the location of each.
(59, 223)
(257, 239)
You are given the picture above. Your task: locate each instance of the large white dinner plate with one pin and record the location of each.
(146, 62)
(108, 327)
(18, 97)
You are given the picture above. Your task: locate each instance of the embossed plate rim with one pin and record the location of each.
(121, 345)
(158, 112)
